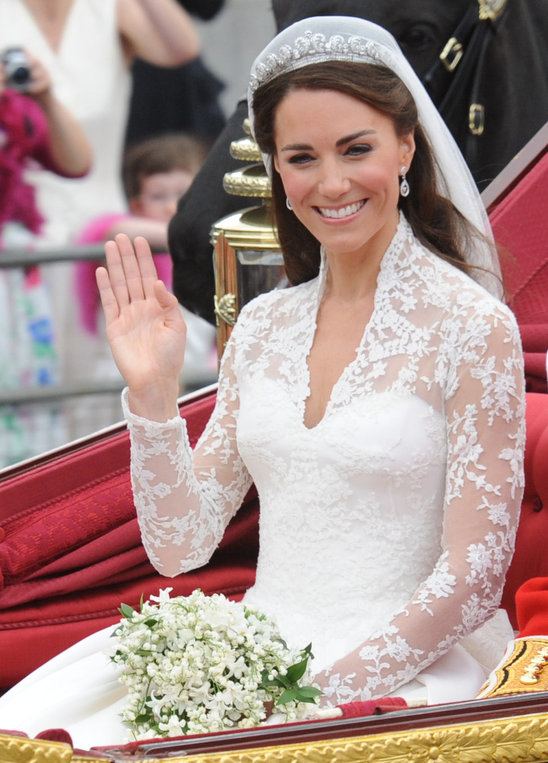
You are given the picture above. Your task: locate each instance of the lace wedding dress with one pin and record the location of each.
(385, 530)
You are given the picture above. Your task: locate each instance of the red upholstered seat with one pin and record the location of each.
(70, 549)
(531, 554)
(520, 225)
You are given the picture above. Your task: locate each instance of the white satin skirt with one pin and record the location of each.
(78, 690)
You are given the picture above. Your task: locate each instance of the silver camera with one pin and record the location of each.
(16, 69)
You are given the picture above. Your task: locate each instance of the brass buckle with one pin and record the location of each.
(476, 119)
(451, 54)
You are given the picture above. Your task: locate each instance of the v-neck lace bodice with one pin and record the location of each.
(386, 529)
(392, 251)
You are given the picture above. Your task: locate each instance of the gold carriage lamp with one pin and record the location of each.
(246, 257)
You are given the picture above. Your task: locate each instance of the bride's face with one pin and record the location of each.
(339, 160)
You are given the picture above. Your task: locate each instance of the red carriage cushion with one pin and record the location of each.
(531, 557)
(70, 548)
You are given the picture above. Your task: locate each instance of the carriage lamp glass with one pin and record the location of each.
(247, 260)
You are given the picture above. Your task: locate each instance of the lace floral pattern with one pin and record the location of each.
(387, 529)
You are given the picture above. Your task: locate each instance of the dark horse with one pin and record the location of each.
(486, 75)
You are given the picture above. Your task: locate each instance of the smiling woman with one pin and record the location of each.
(370, 102)
(342, 184)
(377, 404)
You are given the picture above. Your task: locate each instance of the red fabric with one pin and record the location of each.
(26, 137)
(70, 549)
(530, 557)
(520, 225)
(535, 346)
(532, 607)
(372, 707)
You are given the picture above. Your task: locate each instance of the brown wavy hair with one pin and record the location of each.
(434, 219)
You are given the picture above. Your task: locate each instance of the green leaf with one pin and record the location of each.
(296, 671)
(282, 681)
(126, 611)
(307, 651)
(151, 622)
(287, 696)
(307, 693)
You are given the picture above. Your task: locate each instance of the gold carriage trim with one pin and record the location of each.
(225, 308)
(249, 181)
(524, 669)
(246, 150)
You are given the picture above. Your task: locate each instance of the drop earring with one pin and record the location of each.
(288, 204)
(404, 185)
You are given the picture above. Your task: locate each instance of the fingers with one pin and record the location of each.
(147, 267)
(116, 274)
(108, 300)
(164, 297)
(130, 267)
(173, 317)
(131, 270)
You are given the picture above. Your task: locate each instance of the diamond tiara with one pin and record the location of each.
(315, 47)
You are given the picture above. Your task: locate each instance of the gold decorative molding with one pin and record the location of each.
(519, 739)
(248, 229)
(248, 181)
(524, 669)
(523, 739)
(22, 750)
(225, 308)
(246, 150)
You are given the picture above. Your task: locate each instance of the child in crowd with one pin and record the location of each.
(35, 129)
(156, 173)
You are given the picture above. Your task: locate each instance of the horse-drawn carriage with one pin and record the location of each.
(70, 553)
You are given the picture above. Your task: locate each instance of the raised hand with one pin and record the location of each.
(145, 327)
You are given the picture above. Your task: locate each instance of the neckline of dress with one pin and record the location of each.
(54, 52)
(388, 260)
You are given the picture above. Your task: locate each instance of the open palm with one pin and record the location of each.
(144, 324)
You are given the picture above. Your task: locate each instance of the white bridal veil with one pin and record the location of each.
(345, 38)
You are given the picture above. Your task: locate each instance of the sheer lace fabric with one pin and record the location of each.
(386, 530)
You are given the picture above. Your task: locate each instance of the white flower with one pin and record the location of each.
(195, 664)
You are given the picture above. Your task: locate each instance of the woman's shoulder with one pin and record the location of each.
(457, 293)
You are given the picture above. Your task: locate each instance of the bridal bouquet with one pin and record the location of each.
(195, 664)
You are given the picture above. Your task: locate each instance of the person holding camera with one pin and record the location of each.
(34, 124)
(87, 47)
(34, 128)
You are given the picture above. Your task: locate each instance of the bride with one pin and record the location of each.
(377, 404)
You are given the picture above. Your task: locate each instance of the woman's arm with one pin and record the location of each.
(485, 430)
(132, 226)
(158, 31)
(68, 146)
(184, 500)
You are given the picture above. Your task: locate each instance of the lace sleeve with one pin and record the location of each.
(484, 408)
(185, 499)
